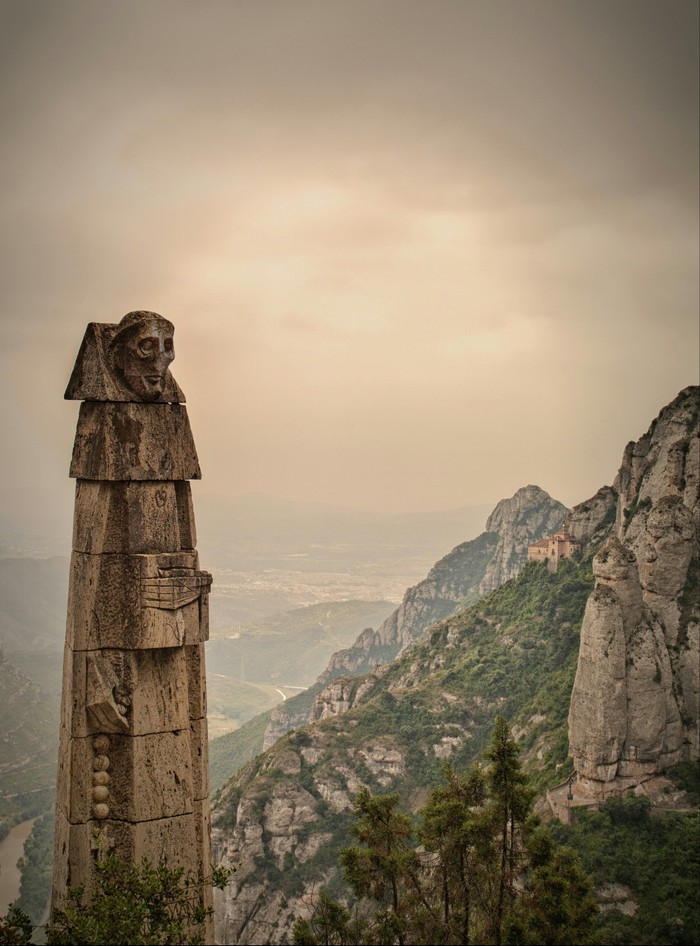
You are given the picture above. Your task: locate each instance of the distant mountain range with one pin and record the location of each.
(429, 682)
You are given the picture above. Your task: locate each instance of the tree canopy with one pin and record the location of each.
(484, 869)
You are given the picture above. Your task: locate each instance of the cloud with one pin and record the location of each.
(382, 230)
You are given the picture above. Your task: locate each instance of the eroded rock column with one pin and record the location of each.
(133, 764)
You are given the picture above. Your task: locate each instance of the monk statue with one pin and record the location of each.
(133, 765)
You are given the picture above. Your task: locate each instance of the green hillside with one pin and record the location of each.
(513, 654)
(231, 752)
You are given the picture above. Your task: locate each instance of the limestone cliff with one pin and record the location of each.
(285, 816)
(469, 571)
(591, 521)
(527, 516)
(634, 705)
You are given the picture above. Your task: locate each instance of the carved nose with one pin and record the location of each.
(164, 356)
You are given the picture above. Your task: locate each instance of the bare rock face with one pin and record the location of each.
(469, 571)
(525, 518)
(589, 521)
(270, 838)
(634, 707)
(341, 695)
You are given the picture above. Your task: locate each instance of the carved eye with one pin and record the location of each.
(168, 344)
(146, 346)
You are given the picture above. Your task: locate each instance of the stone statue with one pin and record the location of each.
(141, 350)
(133, 763)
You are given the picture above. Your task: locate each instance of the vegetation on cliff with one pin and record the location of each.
(485, 870)
(653, 861)
(512, 654)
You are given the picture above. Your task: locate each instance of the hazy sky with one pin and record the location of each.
(418, 254)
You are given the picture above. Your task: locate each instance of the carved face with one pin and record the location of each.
(145, 358)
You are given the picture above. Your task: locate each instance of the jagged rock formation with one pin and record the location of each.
(527, 516)
(342, 694)
(286, 814)
(634, 706)
(470, 570)
(590, 522)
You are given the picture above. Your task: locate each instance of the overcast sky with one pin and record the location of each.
(418, 254)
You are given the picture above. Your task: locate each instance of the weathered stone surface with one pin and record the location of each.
(148, 690)
(73, 717)
(288, 810)
(133, 771)
(199, 749)
(174, 838)
(108, 691)
(196, 681)
(588, 521)
(616, 897)
(131, 601)
(183, 841)
(134, 442)
(74, 859)
(96, 378)
(664, 547)
(384, 763)
(642, 623)
(524, 518)
(151, 776)
(623, 723)
(250, 912)
(335, 699)
(203, 861)
(133, 517)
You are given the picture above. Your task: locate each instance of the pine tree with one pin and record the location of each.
(378, 867)
(455, 831)
(510, 804)
(486, 870)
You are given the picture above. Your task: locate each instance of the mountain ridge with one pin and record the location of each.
(515, 652)
(459, 578)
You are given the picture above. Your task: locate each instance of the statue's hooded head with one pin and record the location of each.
(141, 351)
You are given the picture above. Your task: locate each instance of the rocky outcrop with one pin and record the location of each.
(452, 582)
(342, 694)
(635, 702)
(591, 521)
(525, 518)
(268, 828)
(268, 833)
(469, 571)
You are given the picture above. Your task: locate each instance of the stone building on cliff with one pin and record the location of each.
(551, 549)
